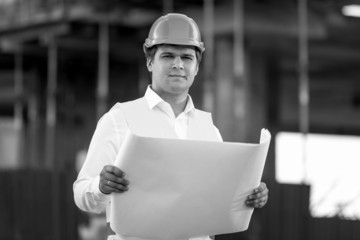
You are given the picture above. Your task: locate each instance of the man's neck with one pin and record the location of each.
(177, 103)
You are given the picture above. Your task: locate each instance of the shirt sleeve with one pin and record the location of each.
(102, 151)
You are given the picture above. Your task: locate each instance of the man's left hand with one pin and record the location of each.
(258, 198)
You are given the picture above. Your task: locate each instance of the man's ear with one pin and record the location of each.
(149, 64)
(197, 69)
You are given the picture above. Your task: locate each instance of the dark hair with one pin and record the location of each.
(150, 52)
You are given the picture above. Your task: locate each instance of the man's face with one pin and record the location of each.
(173, 69)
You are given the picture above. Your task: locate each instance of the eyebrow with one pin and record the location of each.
(181, 54)
(188, 55)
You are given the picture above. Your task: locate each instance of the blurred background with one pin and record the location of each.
(291, 66)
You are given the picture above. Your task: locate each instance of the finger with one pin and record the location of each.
(262, 187)
(260, 191)
(254, 197)
(116, 187)
(258, 203)
(107, 189)
(109, 182)
(104, 189)
(250, 203)
(114, 170)
(261, 202)
(115, 179)
(257, 195)
(113, 174)
(121, 185)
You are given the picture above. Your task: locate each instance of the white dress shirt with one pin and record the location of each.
(105, 144)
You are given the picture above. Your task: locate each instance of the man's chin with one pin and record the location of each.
(179, 88)
(178, 79)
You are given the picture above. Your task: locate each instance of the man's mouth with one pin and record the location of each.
(177, 76)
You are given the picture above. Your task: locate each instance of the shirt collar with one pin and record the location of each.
(153, 99)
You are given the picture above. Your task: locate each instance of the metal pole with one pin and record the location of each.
(51, 104)
(239, 66)
(208, 96)
(19, 105)
(240, 84)
(19, 85)
(102, 90)
(303, 78)
(51, 134)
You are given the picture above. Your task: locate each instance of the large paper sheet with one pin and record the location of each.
(182, 188)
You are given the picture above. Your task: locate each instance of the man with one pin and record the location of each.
(173, 52)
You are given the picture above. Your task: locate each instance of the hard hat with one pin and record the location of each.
(174, 28)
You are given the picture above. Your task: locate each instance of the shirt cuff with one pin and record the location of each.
(96, 190)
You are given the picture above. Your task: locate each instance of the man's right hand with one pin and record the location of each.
(112, 180)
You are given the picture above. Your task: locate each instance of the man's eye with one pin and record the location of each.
(187, 58)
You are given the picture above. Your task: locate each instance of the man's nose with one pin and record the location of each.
(178, 63)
